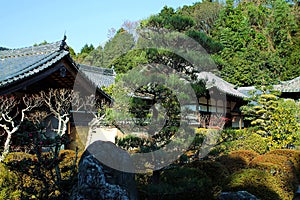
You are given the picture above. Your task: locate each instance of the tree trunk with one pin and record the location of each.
(6, 146)
(64, 126)
(155, 180)
(59, 126)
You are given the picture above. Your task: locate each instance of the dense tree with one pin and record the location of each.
(275, 119)
(72, 53)
(258, 40)
(169, 19)
(84, 52)
(94, 58)
(120, 44)
(204, 14)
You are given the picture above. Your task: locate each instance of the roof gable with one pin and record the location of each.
(17, 64)
(212, 80)
(289, 86)
(101, 77)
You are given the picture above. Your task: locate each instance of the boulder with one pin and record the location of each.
(98, 178)
(239, 195)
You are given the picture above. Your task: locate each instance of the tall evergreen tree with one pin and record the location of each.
(258, 39)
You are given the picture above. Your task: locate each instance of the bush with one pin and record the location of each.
(252, 141)
(180, 183)
(38, 177)
(237, 160)
(260, 183)
(234, 140)
(8, 184)
(280, 167)
(292, 155)
(273, 163)
(216, 172)
(20, 164)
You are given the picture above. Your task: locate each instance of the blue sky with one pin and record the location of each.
(26, 22)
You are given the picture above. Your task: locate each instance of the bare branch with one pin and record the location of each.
(11, 117)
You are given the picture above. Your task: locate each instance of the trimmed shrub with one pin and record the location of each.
(280, 167)
(38, 178)
(259, 183)
(8, 184)
(252, 142)
(234, 140)
(275, 164)
(292, 155)
(181, 183)
(20, 164)
(237, 160)
(216, 172)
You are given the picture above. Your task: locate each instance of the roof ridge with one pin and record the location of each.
(108, 71)
(32, 50)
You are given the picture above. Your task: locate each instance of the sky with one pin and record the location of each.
(27, 22)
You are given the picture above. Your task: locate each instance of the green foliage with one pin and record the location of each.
(84, 52)
(42, 43)
(252, 141)
(237, 160)
(281, 168)
(87, 49)
(181, 183)
(120, 44)
(216, 171)
(72, 53)
(169, 19)
(210, 45)
(262, 184)
(245, 139)
(204, 14)
(8, 181)
(275, 119)
(258, 40)
(130, 60)
(34, 177)
(131, 142)
(292, 155)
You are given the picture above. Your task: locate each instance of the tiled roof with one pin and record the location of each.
(285, 86)
(212, 80)
(289, 86)
(17, 64)
(99, 76)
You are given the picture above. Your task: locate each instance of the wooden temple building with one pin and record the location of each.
(32, 69)
(36, 68)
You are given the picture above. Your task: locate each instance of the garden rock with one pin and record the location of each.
(97, 181)
(240, 195)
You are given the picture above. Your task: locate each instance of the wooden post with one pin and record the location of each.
(69, 127)
(240, 122)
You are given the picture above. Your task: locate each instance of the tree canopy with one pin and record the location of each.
(251, 42)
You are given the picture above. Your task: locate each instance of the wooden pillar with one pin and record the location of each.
(69, 128)
(240, 122)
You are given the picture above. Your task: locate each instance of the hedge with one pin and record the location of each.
(35, 179)
(237, 160)
(259, 183)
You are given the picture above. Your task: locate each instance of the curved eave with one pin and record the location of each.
(233, 94)
(35, 68)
